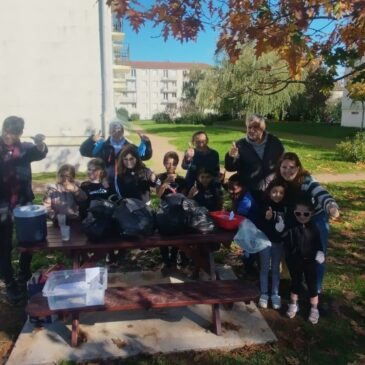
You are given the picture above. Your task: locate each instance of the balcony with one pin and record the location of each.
(117, 28)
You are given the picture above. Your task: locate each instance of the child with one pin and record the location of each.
(206, 192)
(303, 249)
(134, 178)
(97, 187)
(273, 226)
(64, 196)
(243, 204)
(170, 183)
(242, 201)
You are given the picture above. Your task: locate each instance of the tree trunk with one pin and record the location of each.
(362, 117)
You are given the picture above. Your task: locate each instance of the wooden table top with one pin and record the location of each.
(79, 241)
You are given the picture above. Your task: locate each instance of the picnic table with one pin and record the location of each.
(200, 246)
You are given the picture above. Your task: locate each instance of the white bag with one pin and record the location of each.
(250, 238)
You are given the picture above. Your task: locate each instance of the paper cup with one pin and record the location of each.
(61, 219)
(65, 233)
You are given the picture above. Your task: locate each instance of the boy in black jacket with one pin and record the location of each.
(303, 248)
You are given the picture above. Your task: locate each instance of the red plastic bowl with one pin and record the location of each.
(221, 218)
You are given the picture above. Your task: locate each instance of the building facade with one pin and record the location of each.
(351, 110)
(56, 71)
(154, 87)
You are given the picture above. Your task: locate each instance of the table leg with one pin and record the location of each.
(213, 275)
(75, 329)
(216, 319)
(76, 261)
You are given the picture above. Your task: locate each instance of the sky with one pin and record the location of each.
(148, 45)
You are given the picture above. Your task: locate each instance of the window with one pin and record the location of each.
(134, 105)
(165, 73)
(355, 113)
(165, 96)
(173, 84)
(133, 72)
(173, 95)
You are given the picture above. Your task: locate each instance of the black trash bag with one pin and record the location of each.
(99, 222)
(134, 217)
(171, 217)
(200, 220)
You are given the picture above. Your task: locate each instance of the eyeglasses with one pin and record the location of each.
(304, 214)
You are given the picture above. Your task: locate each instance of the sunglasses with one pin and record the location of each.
(304, 214)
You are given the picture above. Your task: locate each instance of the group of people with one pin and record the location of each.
(268, 186)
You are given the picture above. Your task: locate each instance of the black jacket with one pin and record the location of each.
(254, 170)
(303, 241)
(23, 171)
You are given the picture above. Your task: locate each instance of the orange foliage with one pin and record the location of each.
(293, 28)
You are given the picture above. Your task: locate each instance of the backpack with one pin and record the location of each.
(134, 217)
(200, 220)
(171, 217)
(99, 222)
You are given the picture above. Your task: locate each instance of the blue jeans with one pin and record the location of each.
(272, 253)
(321, 221)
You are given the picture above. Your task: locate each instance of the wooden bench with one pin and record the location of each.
(156, 296)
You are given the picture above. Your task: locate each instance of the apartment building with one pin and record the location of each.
(60, 69)
(153, 87)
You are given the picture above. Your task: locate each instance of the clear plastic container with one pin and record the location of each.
(76, 288)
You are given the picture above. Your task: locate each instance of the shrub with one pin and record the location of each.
(353, 149)
(161, 118)
(134, 116)
(193, 118)
(122, 114)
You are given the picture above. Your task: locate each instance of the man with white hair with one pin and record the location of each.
(108, 150)
(255, 156)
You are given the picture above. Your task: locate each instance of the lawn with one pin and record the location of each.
(316, 150)
(339, 338)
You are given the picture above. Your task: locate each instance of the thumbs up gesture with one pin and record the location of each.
(233, 152)
(190, 152)
(268, 214)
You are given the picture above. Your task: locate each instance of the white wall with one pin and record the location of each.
(50, 67)
(351, 112)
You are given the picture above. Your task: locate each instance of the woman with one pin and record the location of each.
(298, 180)
(199, 156)
(134, 178)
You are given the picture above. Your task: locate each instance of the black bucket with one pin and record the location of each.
(30, 224)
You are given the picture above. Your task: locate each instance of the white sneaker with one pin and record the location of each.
(292, 310)
(264, 299)
(276, 301)
(313, 316)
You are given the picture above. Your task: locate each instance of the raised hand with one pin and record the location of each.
(233, 152)
(97, 136)
(269, 214)
(190, 152)
(142, 136)
(193, 191)
(39, 141)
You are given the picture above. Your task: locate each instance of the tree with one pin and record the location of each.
(190, 91)
(356, 92)
(301, 32)
(248, 85)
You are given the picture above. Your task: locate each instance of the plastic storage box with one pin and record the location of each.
(76, 288)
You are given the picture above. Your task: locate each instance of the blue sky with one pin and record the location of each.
(148, 45)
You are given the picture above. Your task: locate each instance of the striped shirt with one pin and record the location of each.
(321, 198)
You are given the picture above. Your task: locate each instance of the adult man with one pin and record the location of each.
(15, 189)
(199, 155)
(255, 156)
(108, 150)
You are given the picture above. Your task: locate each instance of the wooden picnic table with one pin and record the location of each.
(200, 246)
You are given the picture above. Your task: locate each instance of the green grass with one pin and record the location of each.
(338, 338)
(316, 151)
